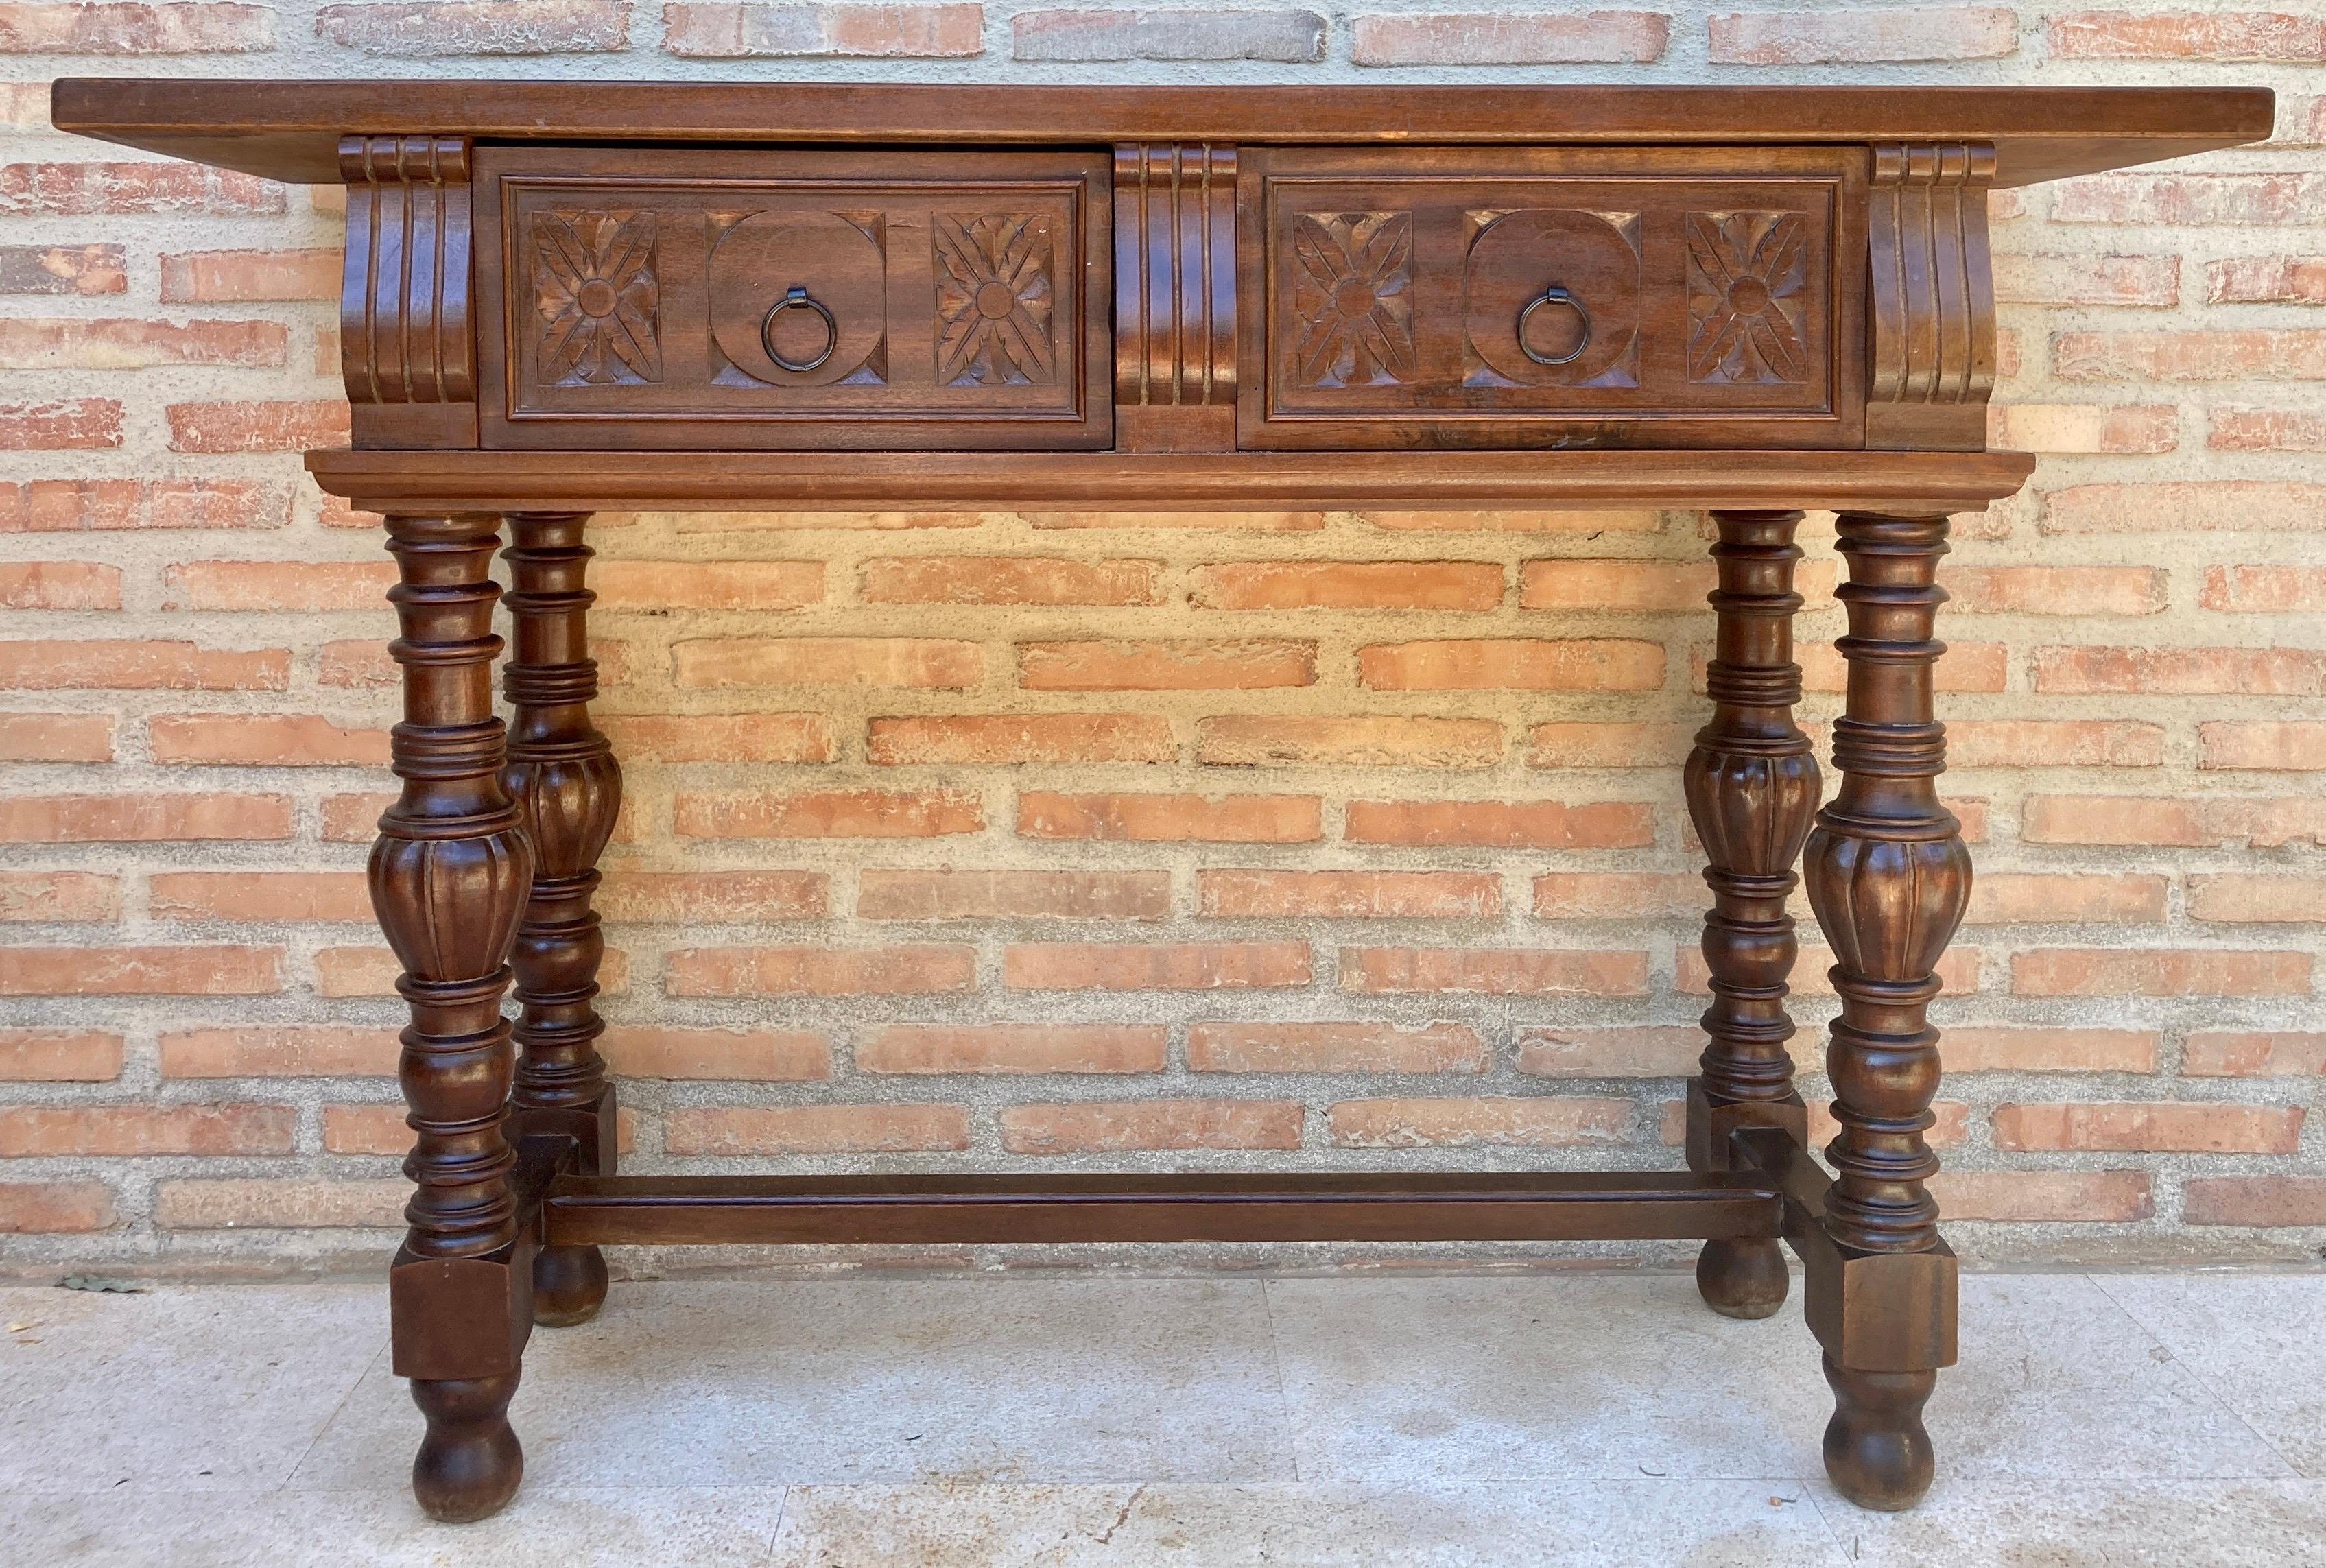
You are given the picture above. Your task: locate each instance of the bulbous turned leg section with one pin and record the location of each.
(569, 1286)
(1741, 1279)
(470, 1463)
(1876, 1452)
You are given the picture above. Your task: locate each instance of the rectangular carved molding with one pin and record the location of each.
(407, 339)
(1931, 296)
(1175, 327)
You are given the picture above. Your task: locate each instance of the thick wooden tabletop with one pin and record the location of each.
(290, 130)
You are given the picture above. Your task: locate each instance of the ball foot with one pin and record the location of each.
(569, 1286)
(468, 1465)
(1876, 1450)
(1741, 1279)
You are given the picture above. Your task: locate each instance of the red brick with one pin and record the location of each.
(66, 269)
(1503, 824)
(126, 1130)
(2265, 429)
(745, 1055)
(1591, 523)
(2054, 743)
(1859, 34)
(2084, 427)
(998, 739)
(2056, 590)
(125, 27)
(1513, 663)
(60, 1055)
(54, 1208)
(263, 740)
(265, 896)
(355, 819)
(42, 897)
(1171, 819)
(2048, 1050)
(276, 1203)
(725, 29)
(1609, 746)
(76, 190)
(1165, 665)
(1146, 523)
(2151, 1126)
(2252, 353)
(82, 343)
(1491, 38)
(2261, 1203)
(828, 815)
(1351, 1047)
(1184, 965)
(718, 662)
(280, 1051)
(141, 818)
(2241, 35)
(1350, 895)
(277, 584)
(821, 972)
(2040, 1197)
(1285, 37)
(150, 971)
(1618, 895)
(815, 1130)
(256, 427)
(1652, 1051)
(720, 737)
(979, 579)
(1615, 587)
(103, 505)
(1435, 585)
(712, 897)
(2087, 279)
(2264, 1053)
(1469, 1120)
(1523, 971)
(56, 737)
(1010, 1048)
(1100, 1127)
(429, 28)
(2266, 280)
(949, 894)
(130, 664)
(2158, 972)
(1350, 741)
(2181, 672)
(708, 585)
(59, 585)
(2295, 745)
(2266, 823)
(881, 521)
(2250, 897)
(70, 424)
(216, 277)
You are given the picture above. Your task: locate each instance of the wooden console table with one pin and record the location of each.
(563, 296)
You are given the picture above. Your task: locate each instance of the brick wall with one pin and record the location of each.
(1003, 840)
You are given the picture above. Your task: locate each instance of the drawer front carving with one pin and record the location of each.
(1564, 297)
(693, 299)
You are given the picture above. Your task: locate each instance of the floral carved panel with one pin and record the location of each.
(995, 297)
(1353, 298)
(1747, 297)
(598, 297)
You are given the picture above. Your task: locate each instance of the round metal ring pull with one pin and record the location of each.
(797, 297)
(1555, 295)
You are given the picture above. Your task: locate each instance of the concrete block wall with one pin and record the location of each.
(1004, 839)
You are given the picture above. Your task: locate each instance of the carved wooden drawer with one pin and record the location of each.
(691, 299)
(1514, 297)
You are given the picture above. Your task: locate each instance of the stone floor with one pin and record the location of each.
(1422, 1422)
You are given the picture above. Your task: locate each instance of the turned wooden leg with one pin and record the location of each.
(568, 788)
(1752, 789)
(1888, 877)
(449, 877)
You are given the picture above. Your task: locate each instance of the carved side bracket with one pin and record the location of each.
(1175, 313)
(1931, 325)
(407, 339)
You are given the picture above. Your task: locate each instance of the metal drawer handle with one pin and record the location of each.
(797, 296)
(1555, 295)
